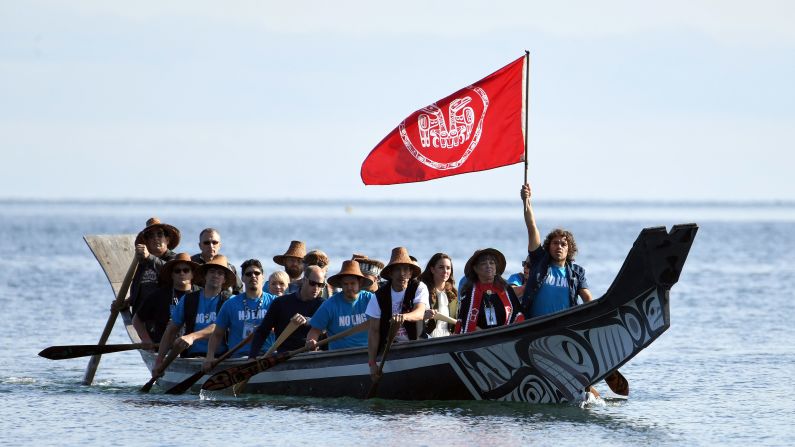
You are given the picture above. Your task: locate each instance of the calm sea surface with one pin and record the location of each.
(722, 374)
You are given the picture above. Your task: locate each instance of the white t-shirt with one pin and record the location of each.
(421, 296)
(441, 329)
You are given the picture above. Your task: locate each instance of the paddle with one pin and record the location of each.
(172, 354)
(74, 351)
(445, 318)
(125, 286)
(235, 374)
(291, 327)
(617, 383)
(394, 326)
(187, 383)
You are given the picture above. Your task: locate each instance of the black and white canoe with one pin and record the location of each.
(549, 359)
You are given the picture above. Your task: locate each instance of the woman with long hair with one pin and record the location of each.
(438, 276)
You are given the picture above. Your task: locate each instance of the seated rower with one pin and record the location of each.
(153, 248)
(402, 296)
(210, 246)
(278, 283)
(343, 310)
(487, 301)
(176, 281)
(371, 269)
(293, 262)
(443, 296)
(298, 305)
(241, 314)
(320, 259)
(197, 312)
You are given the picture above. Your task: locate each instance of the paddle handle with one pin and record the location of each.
(445, 318)
(288, 331)
(93, 363)
(393, 330)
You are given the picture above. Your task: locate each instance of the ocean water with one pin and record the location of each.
(720, 375)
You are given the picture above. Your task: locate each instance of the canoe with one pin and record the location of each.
(549, 359)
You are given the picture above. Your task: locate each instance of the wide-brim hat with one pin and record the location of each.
(469, 268)
(165, 272)
(350, 268)
(154, 223)
(370, 267)
(400, 256)
(218, 261)
(297, 250)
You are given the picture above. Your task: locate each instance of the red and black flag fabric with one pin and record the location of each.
(477, 128)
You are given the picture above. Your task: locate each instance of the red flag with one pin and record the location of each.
(477, 128)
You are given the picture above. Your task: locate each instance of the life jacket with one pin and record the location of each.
(538, 275)
(384, 297)
(192, 308)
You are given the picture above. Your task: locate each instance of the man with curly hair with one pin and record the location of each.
(555, 280)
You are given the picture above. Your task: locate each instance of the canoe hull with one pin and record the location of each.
(550, 359)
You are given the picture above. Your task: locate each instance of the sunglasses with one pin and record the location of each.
(252, 273)
(154, 234)
(182, 270)
(315, 283)
(211, 242)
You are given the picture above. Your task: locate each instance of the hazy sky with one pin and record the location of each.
(675, 100)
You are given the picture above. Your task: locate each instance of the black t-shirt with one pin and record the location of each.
(278, 317)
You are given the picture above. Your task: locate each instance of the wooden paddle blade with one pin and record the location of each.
(148, 385)
(74, 351)
(185, 384)
(230, 376)
(617, 383)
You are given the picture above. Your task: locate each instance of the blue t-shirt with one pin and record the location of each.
(337, 314)
(516, 279)
(553, 296)
(205, 316)
(241, 315)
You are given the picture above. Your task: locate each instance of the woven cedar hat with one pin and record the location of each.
(165, 273)
(350, 268)
(217, 261)
(469, 269)
(154, 223)
(297, 250)
(316, 257)
(370, 267)
(400, 255)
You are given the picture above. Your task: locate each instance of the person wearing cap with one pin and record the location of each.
(320, 259)
(197, 313)
(241, 314)
(443, 296)
(555, 281)
(210, 246)
(486, 299)
(176, 281)
(153, 248)
(343, 310)
(293, 262)
(297, 306)
(371, 269)
(403, 297)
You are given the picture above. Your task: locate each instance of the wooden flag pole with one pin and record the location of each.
(526, 108)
